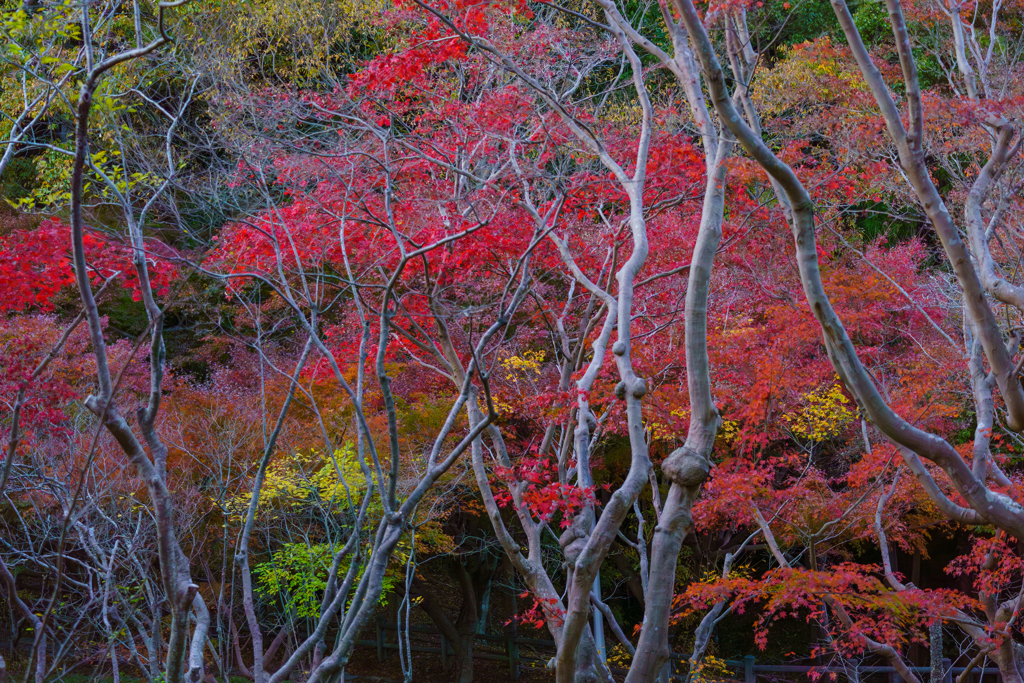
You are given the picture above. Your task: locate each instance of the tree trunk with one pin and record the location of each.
(468, 618)
(935, 645)
(465, 655)
(434, 610)
(590, 668)
(625, 568)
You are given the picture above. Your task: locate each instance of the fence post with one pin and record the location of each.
(512, 649)
(444, 654)
(854, 674)
(947, 669)
(748, 670)
(380, 642)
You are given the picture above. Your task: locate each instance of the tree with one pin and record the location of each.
(684, 24)
(449, 286)
(970, 481)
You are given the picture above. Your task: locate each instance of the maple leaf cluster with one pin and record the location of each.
(37, 266)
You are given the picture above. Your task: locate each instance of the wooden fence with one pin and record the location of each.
(747, 667)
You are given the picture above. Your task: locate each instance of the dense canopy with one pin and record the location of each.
(668, 332)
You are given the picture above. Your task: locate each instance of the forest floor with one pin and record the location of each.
(364, 667)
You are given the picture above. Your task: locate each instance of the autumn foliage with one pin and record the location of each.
(391, 331)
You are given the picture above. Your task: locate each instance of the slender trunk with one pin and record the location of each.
(652, 651)
(485, 604)
(276, 643)
(432, 608)
(687, 467)
(154, 645)
(237, 648)
(702, 636)
(465, 656)
(242, 556)
(196, 672)
(935, 648)
(249, 607)
(111, 637)
(467, 622)
(527, 562)
(633, 582)
(597, 624)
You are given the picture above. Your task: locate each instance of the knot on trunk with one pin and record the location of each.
(686, 468)
(636, 386)
(586, 426)
(573, 540)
